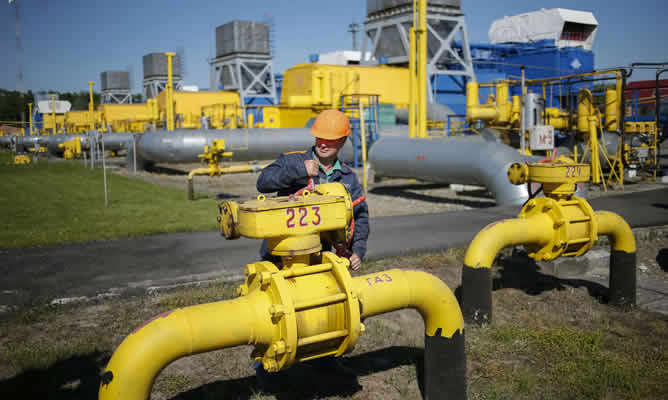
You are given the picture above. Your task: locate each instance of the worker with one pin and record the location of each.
(296, 170)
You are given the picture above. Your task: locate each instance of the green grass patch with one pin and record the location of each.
(60, 202)
(568, 363)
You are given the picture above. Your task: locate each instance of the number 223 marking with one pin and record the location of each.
(303, 213)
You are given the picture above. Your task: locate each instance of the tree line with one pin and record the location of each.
(13, 103)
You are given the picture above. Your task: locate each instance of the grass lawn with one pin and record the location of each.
(61, 201)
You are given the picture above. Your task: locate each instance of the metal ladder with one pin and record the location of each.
(350, 105)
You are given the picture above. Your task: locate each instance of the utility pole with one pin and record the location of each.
(354, 28)
(19, 58)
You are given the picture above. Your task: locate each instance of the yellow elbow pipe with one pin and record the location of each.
(235, 169)
(238, 169)
(198, 171)
(475, 111)
(178, 333)
(476, 275)
(611, 110)
(396, 289)
(508, 232)
(445, 359)
(618, 230)
(559, 119)
(503, 105)
(622, 258)
(515, 110)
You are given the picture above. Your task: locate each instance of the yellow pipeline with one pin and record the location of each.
(91, 106)
(364, 154)
(247, 321)
(558, 224)
(422, 68)
(175, 334)
(611, 110)
(215, 170)
(622, 282)
(30, 116)
(502, 104)
(619, 231)
(496, 236)
(593, 146)
(53, 113)
(297, 313)
(559, 119)
(396, 289)
(516, 110)
(475, 111)
(170, 93)
(412, 97)
(235, 169)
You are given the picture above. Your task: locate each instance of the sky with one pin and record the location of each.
(69, 42)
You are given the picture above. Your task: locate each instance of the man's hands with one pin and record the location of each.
(355, 262)
(311, 167)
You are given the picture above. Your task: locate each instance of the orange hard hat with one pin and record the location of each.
(331, 124)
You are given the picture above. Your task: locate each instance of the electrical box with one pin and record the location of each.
(541, 137)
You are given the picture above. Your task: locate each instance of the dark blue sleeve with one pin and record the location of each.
(283, 173)
(361, 214)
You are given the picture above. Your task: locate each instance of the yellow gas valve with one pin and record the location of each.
(21, 159)
(72, 148)
(305, 308)
(573, 222)
(292, 225)
(559, 224)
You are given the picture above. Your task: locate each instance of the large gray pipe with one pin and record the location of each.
(466, 160)
(609, 141)
(183, 146)
(435, 112)
(5, 141)
(112, 141)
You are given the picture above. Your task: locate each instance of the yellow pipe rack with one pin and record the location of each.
(559, 224)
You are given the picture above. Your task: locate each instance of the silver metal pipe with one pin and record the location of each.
(5, 141)
(465, 160)
(435, 112)
(118, 141)
(183, 146)
(27, 141)
(112, 141)
(609, 140)
(53, 141)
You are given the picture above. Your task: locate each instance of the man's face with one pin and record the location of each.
(327, 148)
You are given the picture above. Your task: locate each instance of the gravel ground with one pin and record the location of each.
(388, 197)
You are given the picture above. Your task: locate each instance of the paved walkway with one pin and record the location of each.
(136, 265)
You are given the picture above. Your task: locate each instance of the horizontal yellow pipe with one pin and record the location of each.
(178, 333)
(616, 228)
(508, 232)
(235, 169)
(482, 112)
(198, 171)
(396, 289)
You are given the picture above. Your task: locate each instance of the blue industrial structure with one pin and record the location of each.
(540, 59)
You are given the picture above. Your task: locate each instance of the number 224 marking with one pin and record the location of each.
(573, 171)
